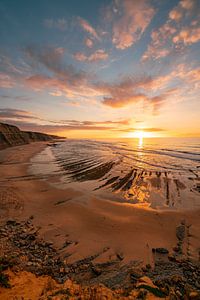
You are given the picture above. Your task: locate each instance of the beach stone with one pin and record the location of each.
(176, 249)
(120, 256)
(11, 222)
(4, 234)
(178, 293)
(197, 284)
(148, 266)
(135, 275)
(97, 271)
(67, 269)
(177, 279)
(194, 295)
(180, 232)
(141, 294)
(146, 280)
(161, 250)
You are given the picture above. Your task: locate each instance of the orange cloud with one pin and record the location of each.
(174, 34)
(118, 102)
(188, 36)
(132, 18)
(191, 77)
(175, 14)
(73, 88)
(187, 4)
(158, 47)
(88, 28)
(153, 129)
(27, 121)
(80, 56)
(89, 43)
(96, 56)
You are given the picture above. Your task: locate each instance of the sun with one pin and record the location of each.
(139, 134)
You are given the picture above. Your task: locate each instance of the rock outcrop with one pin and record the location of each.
(12, 136)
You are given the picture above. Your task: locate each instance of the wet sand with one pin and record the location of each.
(89, 223)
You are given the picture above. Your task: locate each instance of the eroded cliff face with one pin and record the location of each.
(12, 136)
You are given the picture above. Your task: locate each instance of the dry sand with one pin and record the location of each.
(93, 224)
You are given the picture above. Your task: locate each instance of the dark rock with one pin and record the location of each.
(180, 232)
(120, 256)
(97, 271)
(135, 275)
(177, 249)
(148, 266)
(11, 222)
(160, 250)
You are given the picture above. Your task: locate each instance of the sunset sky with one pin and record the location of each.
(101, 69)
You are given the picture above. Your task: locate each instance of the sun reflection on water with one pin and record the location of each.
(140, 142)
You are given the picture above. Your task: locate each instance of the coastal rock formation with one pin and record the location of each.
(28, 261)
(12, 136)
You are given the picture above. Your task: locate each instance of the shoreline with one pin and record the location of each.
(103, 230)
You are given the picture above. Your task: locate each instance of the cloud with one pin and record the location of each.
(89, 43)
(178, 12)
(6, 81)
(72, 88)
(181, 29)
(130, 21)
(159, 46)
(98, 55)
(151, 92)
(9, 113)
(64, 79)
(94, 123)
(17, 98)
(49, 57)
(189, 76)
(123, 98)
(80, 56)
(187, 4)
(57, 128)
(132, 90)
(60, 24)
(148, 129)
(79, 87)
(175, 14)
(119, 102)
(188, 36)
(88, 28)
(27, 121)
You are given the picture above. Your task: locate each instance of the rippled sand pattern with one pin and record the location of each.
(11, 202)
(152, 176)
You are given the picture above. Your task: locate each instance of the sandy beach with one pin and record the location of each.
(104, 234)
(94, 224)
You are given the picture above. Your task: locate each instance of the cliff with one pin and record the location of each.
(12, 136)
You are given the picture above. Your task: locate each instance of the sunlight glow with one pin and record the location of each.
(140, 144)
(140, 134)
